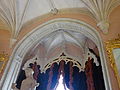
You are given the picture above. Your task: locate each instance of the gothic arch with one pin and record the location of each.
(33, 37)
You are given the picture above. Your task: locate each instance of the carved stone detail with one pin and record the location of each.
(104, 26)
(12, 42)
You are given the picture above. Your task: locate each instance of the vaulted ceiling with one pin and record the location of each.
(14, 14)
(71, 43)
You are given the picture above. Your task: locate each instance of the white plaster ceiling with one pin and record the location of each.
(15, 13)
(40, 7)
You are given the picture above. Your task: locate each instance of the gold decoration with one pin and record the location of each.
(110, 46)
(3, 60)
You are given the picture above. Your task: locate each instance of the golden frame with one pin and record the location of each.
(3, 61)
(110, 45)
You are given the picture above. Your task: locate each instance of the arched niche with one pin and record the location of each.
(32, 38)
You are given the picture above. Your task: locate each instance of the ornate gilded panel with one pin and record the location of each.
(113, 51)
(3, 60)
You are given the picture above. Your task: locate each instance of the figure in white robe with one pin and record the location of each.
(29, 83)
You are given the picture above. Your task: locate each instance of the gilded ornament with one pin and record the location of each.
(3, 60)
(111, 46)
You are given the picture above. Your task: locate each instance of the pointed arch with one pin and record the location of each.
(32, 38)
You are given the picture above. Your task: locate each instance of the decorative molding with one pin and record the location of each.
(76, 63)
(54, 11)
(66, 59)
(104, 26)
(91, 55)
(17, 59)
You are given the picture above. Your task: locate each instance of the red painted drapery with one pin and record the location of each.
(89, 74)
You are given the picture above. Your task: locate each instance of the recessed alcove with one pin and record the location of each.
(69, 47)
